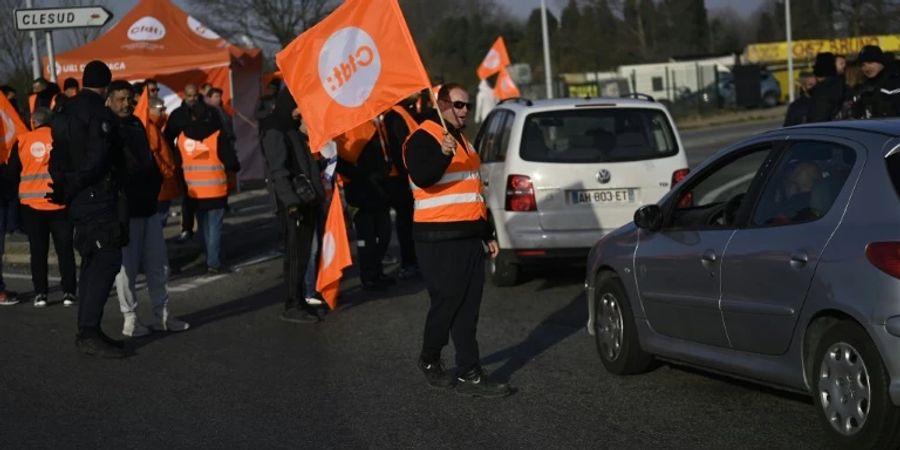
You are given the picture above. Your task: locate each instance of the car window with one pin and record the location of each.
(597, 135)
(504, 131)
(715, 198)
(804, 184)
(486, 141)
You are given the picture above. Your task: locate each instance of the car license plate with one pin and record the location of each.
(611, 196)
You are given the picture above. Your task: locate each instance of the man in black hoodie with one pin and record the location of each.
(830, 92)
(880, 94)
(288, 160)
(452, 238)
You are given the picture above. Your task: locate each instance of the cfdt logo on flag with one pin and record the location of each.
(349, 66)
(9, 128)
(492, 60)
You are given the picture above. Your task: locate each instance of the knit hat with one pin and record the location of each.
(825, 65)
(871, 53)
(70, 83)
(96, 75)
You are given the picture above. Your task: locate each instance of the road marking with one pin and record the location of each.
(23, 276)
(184, 287)
(268, 256)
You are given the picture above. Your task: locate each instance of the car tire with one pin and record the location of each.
(615, 330)
(847, 368)
(504, 269)
(770, 100)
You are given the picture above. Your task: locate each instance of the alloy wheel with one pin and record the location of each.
(844, 389)
(609, 326)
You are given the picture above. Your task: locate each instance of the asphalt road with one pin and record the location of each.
(239, 378)
(703, 142)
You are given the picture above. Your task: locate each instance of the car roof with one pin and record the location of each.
(523, 104)
(887, 127)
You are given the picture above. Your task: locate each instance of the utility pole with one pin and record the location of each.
(548, 74)
(790, 49)
(35, 58)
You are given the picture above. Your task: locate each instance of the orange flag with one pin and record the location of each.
(11, 127)
(505, 87)
(142, 109)
(351, 66)
(496, 59)
(351, 143)
(335, 254)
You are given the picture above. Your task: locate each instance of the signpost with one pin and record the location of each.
(49, 19)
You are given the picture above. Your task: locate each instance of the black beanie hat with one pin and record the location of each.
(871, 53)
(825, 65)
(96, 75)
(70, 83)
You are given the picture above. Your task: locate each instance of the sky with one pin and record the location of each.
(521, 8)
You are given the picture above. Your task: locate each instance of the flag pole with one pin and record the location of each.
(438, 109)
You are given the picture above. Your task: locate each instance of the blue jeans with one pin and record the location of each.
(162, 210)
(211, 225)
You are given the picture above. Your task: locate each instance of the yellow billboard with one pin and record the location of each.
(807, 49)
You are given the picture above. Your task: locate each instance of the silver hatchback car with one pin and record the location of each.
(777, 260)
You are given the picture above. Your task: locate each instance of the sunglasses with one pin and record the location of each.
(460, 105)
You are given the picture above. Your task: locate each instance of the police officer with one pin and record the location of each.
(86, 166)
(879, 95)
(452, 235)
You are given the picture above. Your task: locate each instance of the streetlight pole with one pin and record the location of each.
(790, 49)
(548, 75)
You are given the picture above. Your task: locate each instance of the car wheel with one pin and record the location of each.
(504, 270)
(850, 388)
(615, 330)
(770, 100)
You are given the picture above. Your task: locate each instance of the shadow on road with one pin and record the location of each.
(550, 332)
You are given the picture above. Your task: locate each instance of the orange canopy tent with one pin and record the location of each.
(158, 40)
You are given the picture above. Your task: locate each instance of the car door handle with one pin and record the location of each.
(799, 259)
(709, 257)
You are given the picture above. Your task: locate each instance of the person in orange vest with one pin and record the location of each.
(399, 122)
(28, 168)
(452, 236)
(206, 156)
(175, 124)
(162, 154)
(44, 92)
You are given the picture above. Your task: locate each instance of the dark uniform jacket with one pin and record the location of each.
(879, 97)
(141, 186)
(827, 99)
(798, 111)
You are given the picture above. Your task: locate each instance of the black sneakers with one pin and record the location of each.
(436, 375)
(299, 315)
(93, 344)
(476, 384)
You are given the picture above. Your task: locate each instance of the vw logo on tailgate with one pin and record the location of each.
(603, 176)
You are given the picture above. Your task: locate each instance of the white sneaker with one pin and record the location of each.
(40, 301)
(133, 327)
(170, 324)
(312, 301)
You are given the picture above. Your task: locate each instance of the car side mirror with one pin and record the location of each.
(649, 217)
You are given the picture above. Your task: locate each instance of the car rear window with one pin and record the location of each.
(597, 135)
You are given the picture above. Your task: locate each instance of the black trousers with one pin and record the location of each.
(402, 202)
(40, 226)
(188, 213)
(454, 275)
(298, 236)
(100, 246)
(373, 234)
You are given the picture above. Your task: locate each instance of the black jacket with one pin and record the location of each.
(143, 180)
(427, 164)
(366, 186)
(798, 111)
(879, 97)
(827, 99)
(287, 155)
(86, 163)
(397, 132)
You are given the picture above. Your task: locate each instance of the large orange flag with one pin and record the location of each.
(11, 127)
(496, 59)
(142, 109)
(506, 87)
(351, 143)
(351, 66)
(335, 254)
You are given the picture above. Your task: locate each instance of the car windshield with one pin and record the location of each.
(592, 135)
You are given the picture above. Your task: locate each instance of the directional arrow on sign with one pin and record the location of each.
(61, 18)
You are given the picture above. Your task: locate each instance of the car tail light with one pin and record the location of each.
(531, 253)
(885, 256)
(679, 175)
(520, 194)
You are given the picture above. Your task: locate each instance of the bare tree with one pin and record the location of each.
(80, 36)
(16, 62)
(273, 22)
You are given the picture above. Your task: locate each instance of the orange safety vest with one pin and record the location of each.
(34, 152)
(204, 173)
(458, 195)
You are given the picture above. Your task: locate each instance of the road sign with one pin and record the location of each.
(61, 18)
